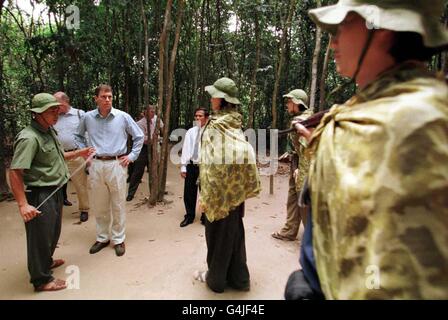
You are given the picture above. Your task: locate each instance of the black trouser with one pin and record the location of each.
(42, 233)
(138, 170)
(226, 255)
(191, 190)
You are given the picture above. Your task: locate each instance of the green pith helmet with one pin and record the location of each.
(419, 16)
(42, 102)
(298, 97)
(224, 88)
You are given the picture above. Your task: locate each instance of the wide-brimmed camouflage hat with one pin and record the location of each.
(419, 16)
(298, 96)
(42, 102)
(224, 88)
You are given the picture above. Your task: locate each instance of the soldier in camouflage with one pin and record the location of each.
(379, 177)
(297, 107)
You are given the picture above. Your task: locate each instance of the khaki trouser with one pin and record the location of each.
(293, 215)
(108, 185)
(80, 182)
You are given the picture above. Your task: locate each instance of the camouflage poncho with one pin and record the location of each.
(228, 171)
(379, 185)
(301, 148)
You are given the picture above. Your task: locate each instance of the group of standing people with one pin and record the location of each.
(374, 194)
(39, 165)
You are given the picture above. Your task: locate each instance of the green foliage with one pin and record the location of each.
(218, 38)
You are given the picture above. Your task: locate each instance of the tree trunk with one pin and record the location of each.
(324, 76)
(253, 87)
(127, 78)
(196, 65)
(152, 141)
(202, 56)
(139, 78)
(146, 62)
(146, 87)
(282, 50)
(227, 52)
(315, 66)
(166, 127)
(286, 27)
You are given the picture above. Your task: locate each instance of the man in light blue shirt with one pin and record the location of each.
(108, 130)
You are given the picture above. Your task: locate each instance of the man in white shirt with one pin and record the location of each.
(189, 165)
(67, 127)
(142, 160)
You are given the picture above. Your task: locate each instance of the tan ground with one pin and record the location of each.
(160, 256)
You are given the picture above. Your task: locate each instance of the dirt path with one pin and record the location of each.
(160, 256)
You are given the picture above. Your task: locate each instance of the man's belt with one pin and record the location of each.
(106, 158)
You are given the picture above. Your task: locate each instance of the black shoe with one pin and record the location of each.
(186, 222)
(129, 198)
(84, 216)
(120, 249)
(97, 246)
(67, 203)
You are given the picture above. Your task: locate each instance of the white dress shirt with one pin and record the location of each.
(192, 137)
(67, 127)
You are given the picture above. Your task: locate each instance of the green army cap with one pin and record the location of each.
(224, 88)
(419, 16)
(298, 97)
(42, 102)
